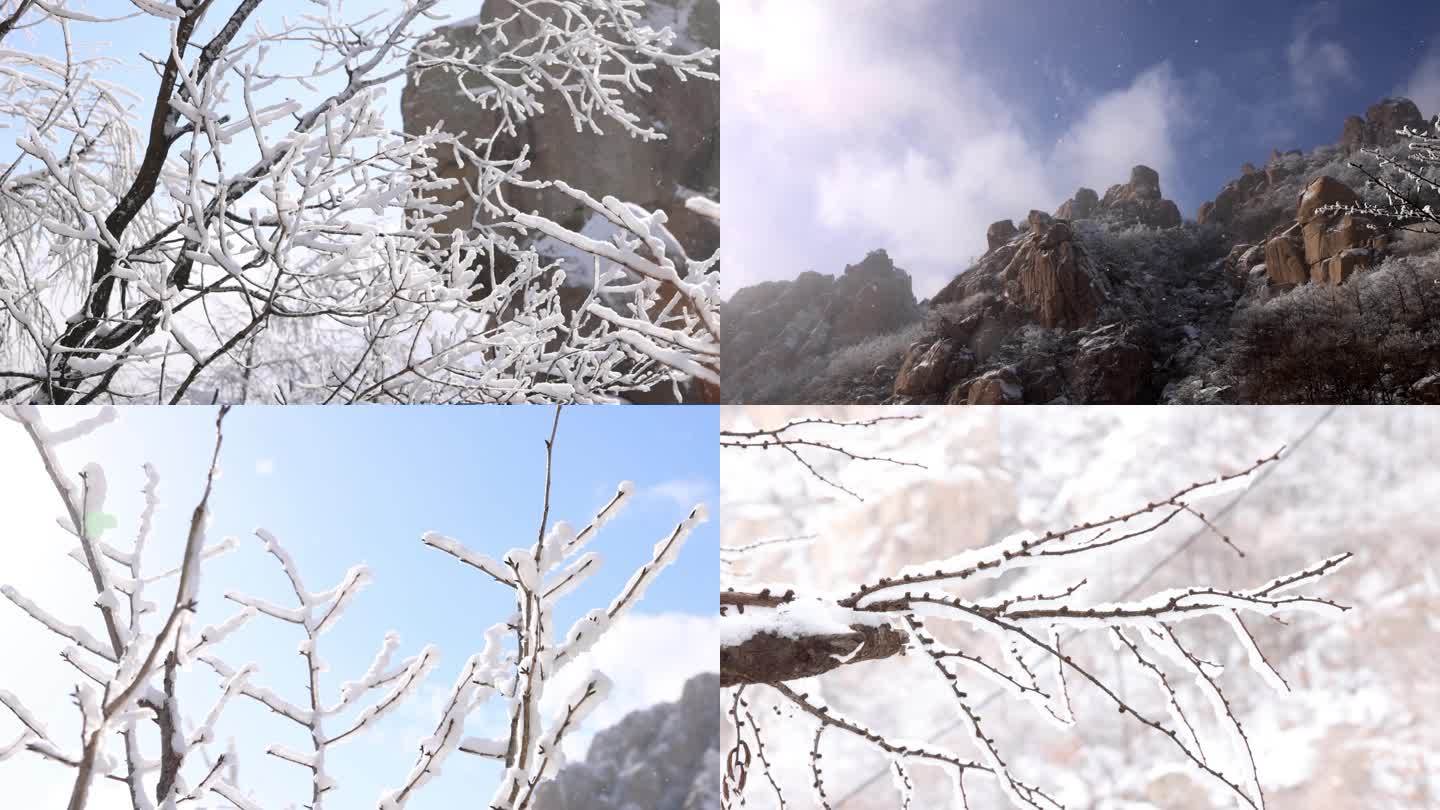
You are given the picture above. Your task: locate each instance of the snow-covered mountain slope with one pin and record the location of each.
(661, 758)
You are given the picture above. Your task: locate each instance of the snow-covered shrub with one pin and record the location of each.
(1364, 342)
(135, 680)
(255, 234)
(864, 357)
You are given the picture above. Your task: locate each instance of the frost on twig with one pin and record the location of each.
(126, 678)
(256, 233)
(137, 676)
(804, 438)
(1014, 651)
(315, 613)
(523, 653)
(1409, 182)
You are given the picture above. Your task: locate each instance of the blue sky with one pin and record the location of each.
(131, 34)
(346, 486)
(913, 125)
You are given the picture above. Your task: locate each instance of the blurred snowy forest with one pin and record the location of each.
(1351, 732)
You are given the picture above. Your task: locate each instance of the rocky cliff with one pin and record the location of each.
(666, 757)
(654, 174)
(1116, 299)
(784, 330)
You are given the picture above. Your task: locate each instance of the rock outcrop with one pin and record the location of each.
(1046, 272)
(656, 174)
(1251, 207)
(1382, 121)
(780, 327)
(1110, 366)
(929, 368)
(663, 757)
(1000, 233)
(1115, 300)
(1323, 247)
(1081, 206)
(1136, 202)
(999, 387)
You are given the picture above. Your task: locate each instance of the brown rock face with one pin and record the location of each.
(777, 326)
(1323, 247)
(1111, 367)
(1053, 282)
(1323, 191)
(1241, 260)
(1138, 201)
(1081, 206)
(649, 173)
(929, 369)
(1381, 123)
(873, 297)
(1337, 269)
(1285, 259)
(998, 387)
(999, 233)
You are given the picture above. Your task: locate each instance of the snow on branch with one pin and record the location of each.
(128, 674)
(315, 613)
(771, 640)
(804, 437)
(1409, 180)
(254, 233)
(134, 678)
(522, 654)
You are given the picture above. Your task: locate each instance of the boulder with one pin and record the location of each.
(871, 298)
(1381, 124)
(1054, 280)
(656, 174)
(1140, 201)
(1426, 391)
(998, 387)
(1329, 236)
(1240, 261)
(1145, 183)
(1111, 366)
(1285, 258)
(999, 233)
(1082, 206)
(928, 368)
(1336, 270)
(1322, 191)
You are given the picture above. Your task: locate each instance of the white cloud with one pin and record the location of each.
(915, 146)
(683, 492)
(1424, 85)
(265, 466)
(648, 658)
(931, 206)
(1138, 124)
(1317, 65)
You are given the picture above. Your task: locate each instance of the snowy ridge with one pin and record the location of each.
(659, 758)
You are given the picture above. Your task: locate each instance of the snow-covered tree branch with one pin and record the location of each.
(1018, 626)
(1409, 180)
(138, 675)
(262, 233)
